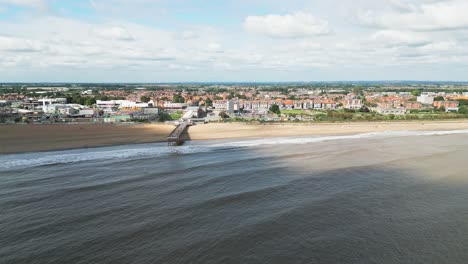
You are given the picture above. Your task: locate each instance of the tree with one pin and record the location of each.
(145, 99)
(416, 92)
(359, 91)
(275, 109)
(463, 102)
(223, 114)
(177, 98)
(163, 116)
(364, 109)
(208, 102)
(90, 101)
(463, 110)
(439, 98)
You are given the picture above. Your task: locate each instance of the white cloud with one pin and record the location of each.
(399, 38)
(299, 24)
(115, 33)
(186, 34)
(40, 4)
(438, 15)
(109, 42)
(12, 44)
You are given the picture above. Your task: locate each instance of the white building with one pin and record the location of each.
(87, 112)
(108, 105)
(426, 99)
(87, 92)
(232, 106)
(133, 105)
(171, 105)
(353, 104)
(46, 102)
(151, 111)
(59, 108)
(318, 105)
(220, 105)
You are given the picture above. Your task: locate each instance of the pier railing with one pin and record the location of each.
(176, 137)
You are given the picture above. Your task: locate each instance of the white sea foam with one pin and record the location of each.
(69, 156)
(305, 140)
(27, 160)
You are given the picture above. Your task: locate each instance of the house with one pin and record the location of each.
(413, 105)
(298, 105)
(318, 105)
(288, 104)
(220, 105)
(449, 106)
(352, 104)
(328, 104)
(308, 104)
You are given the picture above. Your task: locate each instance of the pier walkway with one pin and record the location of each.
(176, 137)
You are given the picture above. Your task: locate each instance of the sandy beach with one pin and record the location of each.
(31, 138)
(236, 130)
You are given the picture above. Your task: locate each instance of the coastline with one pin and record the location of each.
(35, 138)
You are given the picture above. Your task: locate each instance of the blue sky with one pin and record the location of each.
(232, 40)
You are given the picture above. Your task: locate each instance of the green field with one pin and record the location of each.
(293, 112)
(176, 115)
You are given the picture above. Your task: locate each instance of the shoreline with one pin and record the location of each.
(15, 139)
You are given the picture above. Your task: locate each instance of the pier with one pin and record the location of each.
(176, 137)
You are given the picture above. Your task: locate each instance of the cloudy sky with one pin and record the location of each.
(232, 40)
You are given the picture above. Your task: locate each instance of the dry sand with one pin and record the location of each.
(29, 138)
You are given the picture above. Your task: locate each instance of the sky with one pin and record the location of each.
(232, 40)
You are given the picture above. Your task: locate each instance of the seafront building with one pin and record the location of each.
(246, 102)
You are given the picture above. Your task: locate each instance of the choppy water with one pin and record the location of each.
(397, 197)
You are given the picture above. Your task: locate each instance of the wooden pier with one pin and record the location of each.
(176, 137)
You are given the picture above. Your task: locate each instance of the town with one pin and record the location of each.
(202, 103)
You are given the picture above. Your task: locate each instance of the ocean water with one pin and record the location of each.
(391, 197)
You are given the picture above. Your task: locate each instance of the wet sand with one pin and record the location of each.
(238, 130)
(32, 138)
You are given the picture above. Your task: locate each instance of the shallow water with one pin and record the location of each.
(396, 197)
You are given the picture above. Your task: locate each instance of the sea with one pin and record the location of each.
(388, 197)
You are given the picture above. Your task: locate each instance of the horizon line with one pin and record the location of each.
(241, 82)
